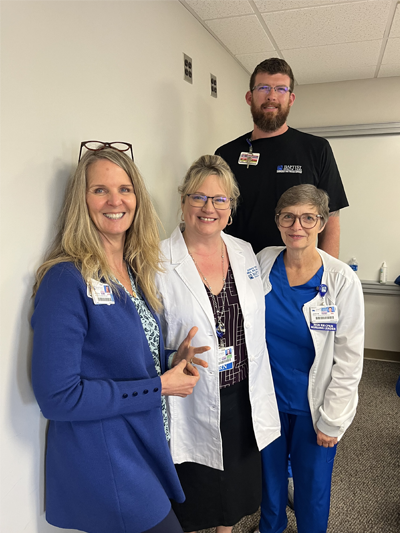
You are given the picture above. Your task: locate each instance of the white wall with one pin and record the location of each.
(74, 71)
(369, 167)
(346, 102)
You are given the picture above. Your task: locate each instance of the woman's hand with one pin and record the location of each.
(179, 382)
(188, 353)
(325, 441)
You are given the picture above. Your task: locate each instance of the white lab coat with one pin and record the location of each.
(337, 367)
(194, 420)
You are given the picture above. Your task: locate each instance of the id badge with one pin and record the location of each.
(248, 158)
(324, 318)
(226, 357)
(101, 293)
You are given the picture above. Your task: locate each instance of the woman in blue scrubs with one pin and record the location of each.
(315, 335)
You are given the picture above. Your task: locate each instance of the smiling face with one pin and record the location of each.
(206, 221)
(296, 237)
(110, 199)
(270, 110)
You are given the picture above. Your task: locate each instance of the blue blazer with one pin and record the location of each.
(108, 465)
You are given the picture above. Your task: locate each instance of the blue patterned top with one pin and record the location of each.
(153, 337)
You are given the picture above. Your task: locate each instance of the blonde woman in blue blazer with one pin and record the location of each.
(98, 357)
(211, 280)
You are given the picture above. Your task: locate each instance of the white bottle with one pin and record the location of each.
(353, 264)
(383, 273)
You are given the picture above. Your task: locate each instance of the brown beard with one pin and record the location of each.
(269, 122)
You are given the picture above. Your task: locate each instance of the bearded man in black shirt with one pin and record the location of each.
(273, 157)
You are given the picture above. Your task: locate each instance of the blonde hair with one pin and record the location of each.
(205, 166)
(78, 240)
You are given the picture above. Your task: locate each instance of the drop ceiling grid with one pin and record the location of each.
(265, 6)
(323, 40)
(338, 62)
(241, 34)
(395, 29)
(325, 25)
(392, 52)
(212, 9)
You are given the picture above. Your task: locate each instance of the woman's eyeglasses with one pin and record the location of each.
(96, 146)
(200, 200)
(307, 220)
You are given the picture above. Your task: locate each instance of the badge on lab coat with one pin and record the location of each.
(226, 357)
(324, 318)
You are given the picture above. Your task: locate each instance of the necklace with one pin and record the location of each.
(127, 281)
(219, 312)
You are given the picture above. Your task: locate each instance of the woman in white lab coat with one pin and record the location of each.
(212, 281)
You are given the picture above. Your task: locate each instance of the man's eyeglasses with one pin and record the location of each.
(200, 200)
(266, 89)
(96, 146)
(307, 220)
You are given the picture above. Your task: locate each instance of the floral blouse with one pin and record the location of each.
(153, 337)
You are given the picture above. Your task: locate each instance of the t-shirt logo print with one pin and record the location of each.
(289, 169)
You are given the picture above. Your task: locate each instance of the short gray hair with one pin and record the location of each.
(305, 194)
(208, 165)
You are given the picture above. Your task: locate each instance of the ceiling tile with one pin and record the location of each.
(265, 6)
(387, 71)
(347, 61)
(242, 35)
(250, 61)
(325, 25)
(339, 74)
(392, 52)
(395, 29)
(211, 9)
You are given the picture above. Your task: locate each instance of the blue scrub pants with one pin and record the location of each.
(312, 474)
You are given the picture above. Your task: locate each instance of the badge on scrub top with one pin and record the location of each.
(324, 318)
(101, 293)
(248, 158)
(226, 357)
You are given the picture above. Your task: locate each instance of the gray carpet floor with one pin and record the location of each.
(366, 475)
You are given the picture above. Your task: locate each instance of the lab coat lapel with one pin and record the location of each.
(237, 261)
(187, 271)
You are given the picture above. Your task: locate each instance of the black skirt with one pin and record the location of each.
(222, 498)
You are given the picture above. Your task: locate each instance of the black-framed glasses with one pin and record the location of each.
(200, 200)
(96, 146)
(307, 220)
(266, 89)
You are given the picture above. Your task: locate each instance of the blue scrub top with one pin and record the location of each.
(289, 341)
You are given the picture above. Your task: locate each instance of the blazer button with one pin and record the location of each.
(134, 393)
(145, 391)
(156, 389)
(124, 395)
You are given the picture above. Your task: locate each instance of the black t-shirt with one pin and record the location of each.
(289, 159)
